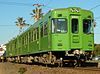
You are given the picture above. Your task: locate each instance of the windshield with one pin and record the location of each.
(87, 28)
(59, 25)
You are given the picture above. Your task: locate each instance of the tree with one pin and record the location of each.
(21, 23)
(97, 49)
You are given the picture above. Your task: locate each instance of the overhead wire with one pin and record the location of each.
(24, 4)
(29, 4)
(21, 4)
(46, 5)
(94, 7)
(15, 3)
(96, 18)
(7, 25)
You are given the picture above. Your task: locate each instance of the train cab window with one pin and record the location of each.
(74, 25)
(86, 26)
(59, 25)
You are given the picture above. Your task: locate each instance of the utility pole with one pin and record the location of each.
(37, 12)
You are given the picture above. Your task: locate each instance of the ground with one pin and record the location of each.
(12, 68)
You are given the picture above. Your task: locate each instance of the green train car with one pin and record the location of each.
(62, 35)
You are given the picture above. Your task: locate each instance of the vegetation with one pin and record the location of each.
(97, 49)
(22, 70)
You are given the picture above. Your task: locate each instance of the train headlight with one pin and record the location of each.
(82, 52)
(76, 52)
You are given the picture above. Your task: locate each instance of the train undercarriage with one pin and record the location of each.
(59, 58)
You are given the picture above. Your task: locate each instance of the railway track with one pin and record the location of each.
(92, 68)
(86, 68)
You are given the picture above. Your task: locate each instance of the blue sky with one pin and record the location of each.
(11, 9)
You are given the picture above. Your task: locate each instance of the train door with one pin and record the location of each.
(75, 32)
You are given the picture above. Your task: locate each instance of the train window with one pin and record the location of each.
(42, 31)
(37, 31)
(15, 45)
(34, 34)
(59, 25)
(74, 25)
(22, 41)
(86, 26)
(27, 38)
(45, 29)
(30, 37)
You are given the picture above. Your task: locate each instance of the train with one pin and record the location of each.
(63, 35)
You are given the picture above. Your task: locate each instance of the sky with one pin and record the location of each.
(10, 10)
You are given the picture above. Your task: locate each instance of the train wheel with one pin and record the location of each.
(60, 62)
(53, 60)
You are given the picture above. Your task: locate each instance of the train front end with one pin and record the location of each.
(72, 33)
